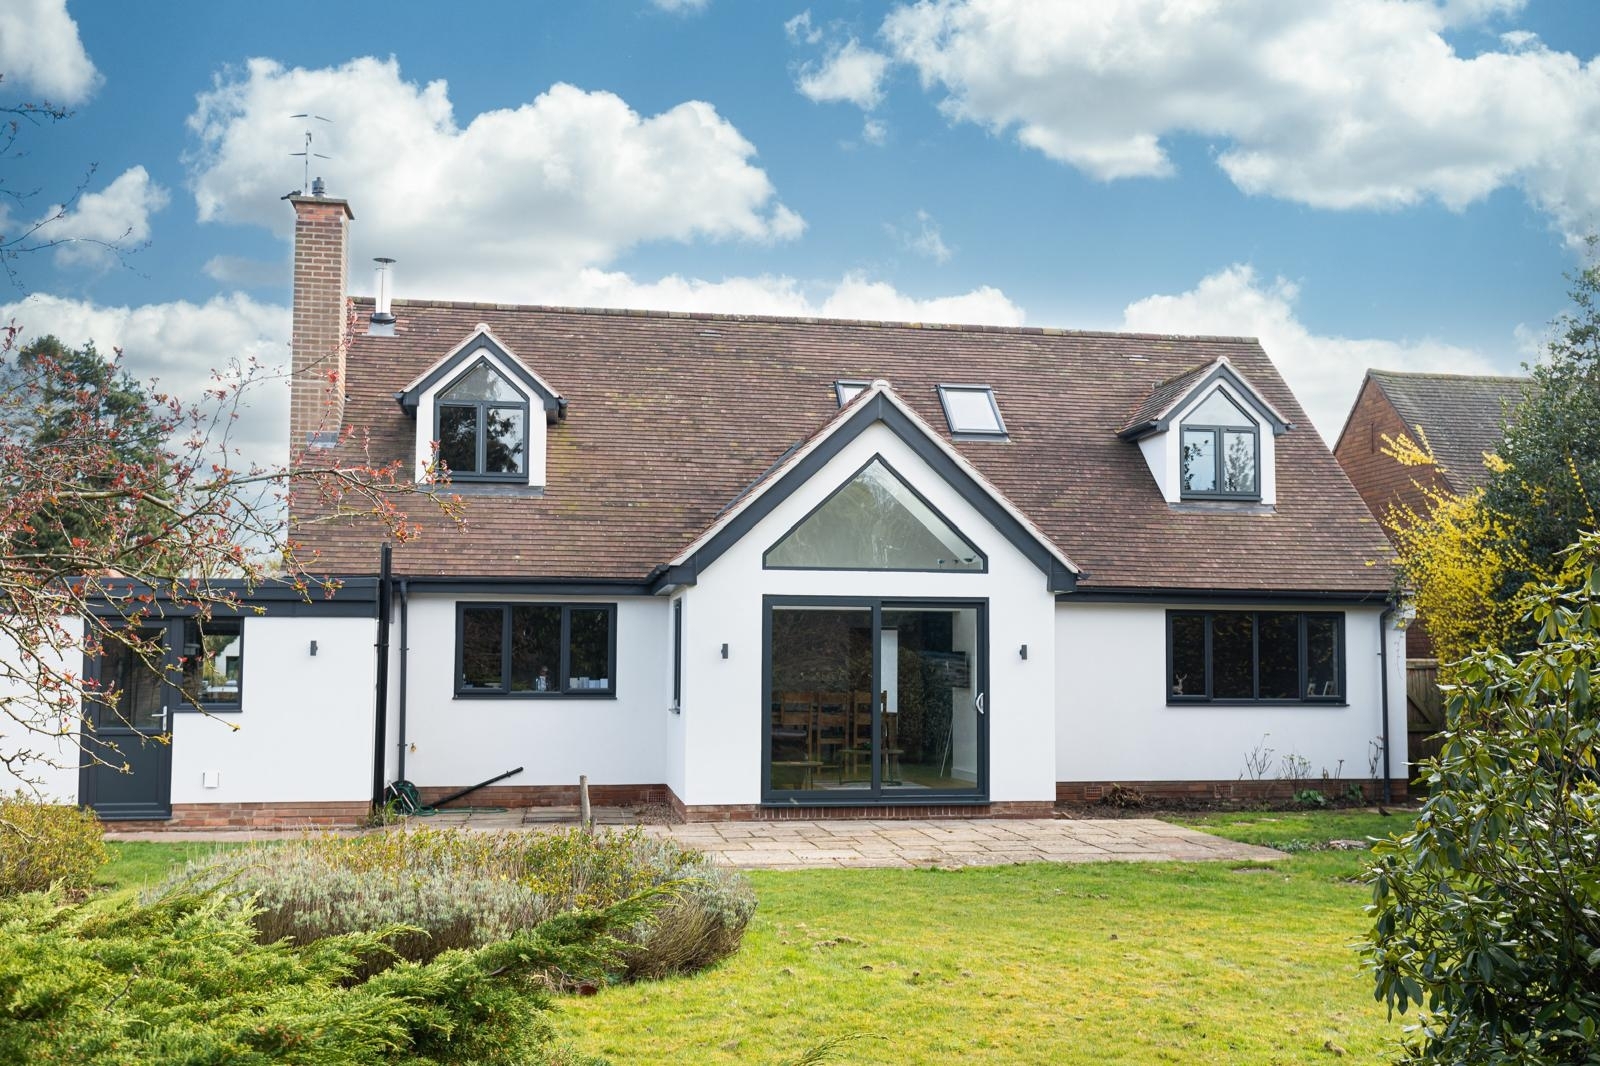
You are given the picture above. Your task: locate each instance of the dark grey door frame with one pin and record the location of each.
(145, 793)
(876, 794)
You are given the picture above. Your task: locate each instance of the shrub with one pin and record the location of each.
(185, 978)
(43, 843)
(1310, 797)
(457, 889)
(1487, 914)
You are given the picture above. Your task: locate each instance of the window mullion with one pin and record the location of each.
(505, 648)
(565, 655)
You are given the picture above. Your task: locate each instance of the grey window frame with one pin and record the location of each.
(677, 653)
(1341, 699)
(849, 383)
(480, 438)
(1249, 425)
(233, 706)
(565, 692)
(969, 434)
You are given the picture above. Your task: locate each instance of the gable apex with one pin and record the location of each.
(1170, 398)
(463, 355)
(877, 404)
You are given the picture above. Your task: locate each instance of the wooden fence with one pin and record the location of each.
(1424, 709)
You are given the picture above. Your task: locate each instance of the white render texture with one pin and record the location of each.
(53, 773)
(723, 702)
(1115, 724)
(304, 731)
(459, 741)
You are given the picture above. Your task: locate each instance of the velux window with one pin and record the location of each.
(1255, 656)
(482, 427)
(536, 649)
(972, 412)
(1220, 449)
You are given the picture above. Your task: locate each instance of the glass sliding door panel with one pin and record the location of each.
(819, 708)
(931, 674)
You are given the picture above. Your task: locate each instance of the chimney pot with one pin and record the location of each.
(381, 314)
(317, 188)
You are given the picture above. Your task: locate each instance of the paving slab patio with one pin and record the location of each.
(807, 845)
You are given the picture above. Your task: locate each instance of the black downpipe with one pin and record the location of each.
(405, 646)
(380, 726)
(1383, 658)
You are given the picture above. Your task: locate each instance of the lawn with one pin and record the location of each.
(1102, 963)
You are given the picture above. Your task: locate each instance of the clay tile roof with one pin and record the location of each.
(1163, 395)
(672, 417)
(1463, 416)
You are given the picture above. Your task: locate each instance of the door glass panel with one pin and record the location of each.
(131, 683)
(819, 713)
(875, 522)
(930, 673)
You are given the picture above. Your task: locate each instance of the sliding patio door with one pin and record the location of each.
(875, 701)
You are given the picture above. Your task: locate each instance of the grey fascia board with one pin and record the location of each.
(1348, 597)
(879, 409)
(1279, 427)
(409, 398)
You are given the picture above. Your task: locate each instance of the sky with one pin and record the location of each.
(1359, 183)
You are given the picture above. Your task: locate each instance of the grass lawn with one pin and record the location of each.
(1104, 963)
(135, 864)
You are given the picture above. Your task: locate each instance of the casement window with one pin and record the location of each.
(1220, 451)
(536, 649)
(1255, 657)
(211, 664)
(481, 424)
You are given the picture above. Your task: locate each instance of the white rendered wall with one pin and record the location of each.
(724, 707)
(615, 741)
(53, 773)
(304, 731)
(1115, 723)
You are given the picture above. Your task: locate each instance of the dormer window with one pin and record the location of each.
(1220, 453)
(972, 412)
(483, 427)
(482, 406)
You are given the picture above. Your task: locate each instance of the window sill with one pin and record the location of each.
(1197, 702)
(473, 695)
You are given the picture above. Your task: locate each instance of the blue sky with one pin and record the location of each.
(1398, 183)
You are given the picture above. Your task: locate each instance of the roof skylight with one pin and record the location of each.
(972, 411)
(848, 390)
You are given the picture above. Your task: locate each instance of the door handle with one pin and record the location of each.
(979, 702)
(161, 714)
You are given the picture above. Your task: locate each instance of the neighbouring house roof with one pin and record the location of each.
(674, 417)
(1462, 415)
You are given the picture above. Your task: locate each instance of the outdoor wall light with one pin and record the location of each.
(313, 649)
(1023, 651)
(724, 651)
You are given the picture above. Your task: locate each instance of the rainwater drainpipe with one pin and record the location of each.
(405, 646)
(379, 742)
(1383, 658)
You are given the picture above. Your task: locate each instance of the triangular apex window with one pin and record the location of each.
(875, 522)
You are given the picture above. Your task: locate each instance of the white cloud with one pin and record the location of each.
(682, 7)
(247, 272)
(799, 29)
(926, 239)
(1332, 103)
(117, 215)
(487, 210)
(1324, 371)
(852, 296)
(848, 73)
(40, 51)
(180, 344)
(874, 131)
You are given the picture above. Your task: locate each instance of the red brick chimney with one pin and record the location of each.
(321, 331)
